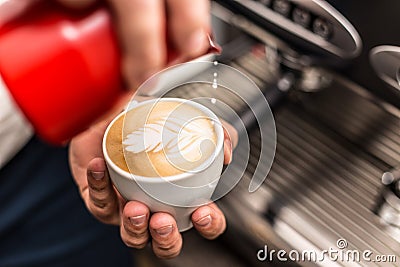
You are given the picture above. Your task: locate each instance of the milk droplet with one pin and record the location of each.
(215, 63)
(213, 100)
(215, 74)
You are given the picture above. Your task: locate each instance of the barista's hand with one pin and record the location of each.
(136, 224)
(142, 26)
(146, 29)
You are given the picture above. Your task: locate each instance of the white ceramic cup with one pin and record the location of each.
(178, 195)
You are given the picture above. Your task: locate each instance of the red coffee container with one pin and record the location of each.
(61, 67)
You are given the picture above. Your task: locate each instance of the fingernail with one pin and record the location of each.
(198, 41)
(206, 220)
(214, 46)
(97, 175)
(165, 230)
(138, 220)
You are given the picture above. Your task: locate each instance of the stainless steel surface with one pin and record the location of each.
(385, 60)
(333, 147)
(327, 29)
(388, 208)
(322, 186)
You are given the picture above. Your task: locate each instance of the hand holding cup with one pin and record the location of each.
(136, 223)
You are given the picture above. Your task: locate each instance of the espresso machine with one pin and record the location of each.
(330, 72)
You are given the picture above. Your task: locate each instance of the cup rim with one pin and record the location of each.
(173, 178)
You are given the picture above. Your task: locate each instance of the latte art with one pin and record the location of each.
(167, 138)
(173, 135)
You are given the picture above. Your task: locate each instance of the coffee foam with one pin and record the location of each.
(171, 134)
(165, 138)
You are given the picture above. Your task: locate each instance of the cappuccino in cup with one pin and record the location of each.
(166, 153)
(161, 139)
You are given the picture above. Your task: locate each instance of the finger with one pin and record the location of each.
(102, 200)
(209, 221)
(230, 141)
(141, 28)
(227, 148)
(231, 131)
(79, 4)
(167, 241)
(189, 25)
(135, 218)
